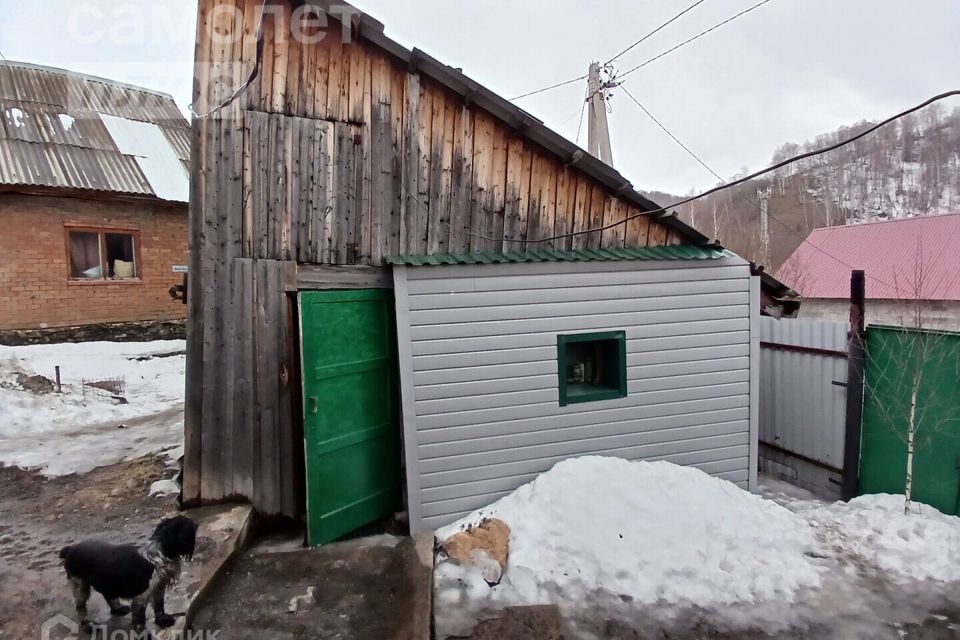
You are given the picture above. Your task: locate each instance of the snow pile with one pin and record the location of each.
(643, 532)
(922, 545)
(80, 429)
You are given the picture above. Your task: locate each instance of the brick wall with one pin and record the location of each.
(35, 288)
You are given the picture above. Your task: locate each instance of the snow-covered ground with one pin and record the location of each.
(605, 533)
(83, 428)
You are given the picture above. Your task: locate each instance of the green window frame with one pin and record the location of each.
(592, 366)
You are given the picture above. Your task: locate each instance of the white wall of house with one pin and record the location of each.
(479, 374)
(935, 314)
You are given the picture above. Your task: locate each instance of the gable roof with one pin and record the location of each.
(60, 129)
(898, 256)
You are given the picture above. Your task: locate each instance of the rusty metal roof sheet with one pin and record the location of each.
(52, 133)
(902, 259)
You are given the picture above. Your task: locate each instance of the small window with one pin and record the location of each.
(102, 255)
(592, 366)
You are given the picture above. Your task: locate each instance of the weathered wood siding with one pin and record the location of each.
(336, 154)
(480, 388)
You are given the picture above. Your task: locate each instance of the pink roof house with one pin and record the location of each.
(912, 267)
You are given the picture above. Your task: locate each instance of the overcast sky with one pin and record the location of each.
(784, 72)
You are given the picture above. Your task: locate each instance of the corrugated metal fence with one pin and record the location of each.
(803, 365)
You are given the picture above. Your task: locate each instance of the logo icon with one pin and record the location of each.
(59, 620)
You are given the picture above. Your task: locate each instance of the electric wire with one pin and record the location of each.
(656, 57)
(725, 185)
(657, 30)
(691, 39)
(748, 199)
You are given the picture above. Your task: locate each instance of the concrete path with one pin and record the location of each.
(372, 588)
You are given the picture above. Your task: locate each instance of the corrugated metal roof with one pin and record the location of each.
(52, 133)
(900, 258)
(675, 252)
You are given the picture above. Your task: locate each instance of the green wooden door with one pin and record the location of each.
(350, 412)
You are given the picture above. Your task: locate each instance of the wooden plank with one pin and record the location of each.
(434, 176)
(462, 180)
(312, 277)
(597, 203)
(410, 212)
(315, 200)
(365, 206)
(246, 444)
(199, 165)
(281, 53)
(300, 188)
(285, 364)
(393, 241)
(260, 183)
(445, 172)
(498, 187)
(538, 196)
(381, 160)
(658, 234)
(359, 72)
(481, 224)
(321, 61)
(512, 205)
(306, 99)
(581, 209)
(335, 59)
(266, 389)
(251, 134)
(265, 80)
(251, 19)
(526, 185)
(293, 77)
(327, 193)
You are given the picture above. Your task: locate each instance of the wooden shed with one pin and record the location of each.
(341, 155)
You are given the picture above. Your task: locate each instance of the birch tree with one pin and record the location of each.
(928, 353)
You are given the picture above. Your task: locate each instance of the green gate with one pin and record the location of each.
(350, 408)
(903, 364)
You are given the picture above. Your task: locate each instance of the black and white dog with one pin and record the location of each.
(139, 573)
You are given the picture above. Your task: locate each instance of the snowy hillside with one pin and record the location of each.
(911, 167)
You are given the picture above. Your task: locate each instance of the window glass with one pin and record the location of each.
(85, 255)
(121, 258)
(592, 366)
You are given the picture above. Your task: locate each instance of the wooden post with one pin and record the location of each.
(59, 387)
(855, 362)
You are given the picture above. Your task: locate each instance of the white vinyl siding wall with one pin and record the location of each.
(478, 362)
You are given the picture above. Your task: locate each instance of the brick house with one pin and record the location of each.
(93, 200)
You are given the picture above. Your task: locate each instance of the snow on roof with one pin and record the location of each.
(901, 258)
(53, 134)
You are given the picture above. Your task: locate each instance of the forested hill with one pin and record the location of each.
(911, 167)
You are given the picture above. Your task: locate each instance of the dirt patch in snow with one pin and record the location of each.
(40, 515)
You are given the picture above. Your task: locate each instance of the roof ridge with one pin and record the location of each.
(85, 76)
(879, 222)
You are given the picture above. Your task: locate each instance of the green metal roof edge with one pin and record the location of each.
(669, 252)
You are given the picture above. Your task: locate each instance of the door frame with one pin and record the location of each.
(322, 277)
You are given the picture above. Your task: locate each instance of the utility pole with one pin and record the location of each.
(598, 132)
(764, 196)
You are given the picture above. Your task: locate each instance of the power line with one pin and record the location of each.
(656, 57)
(728, 185)
(689, 40)
(660, 28)
(675, 139)
(748, 199)
(553, 86)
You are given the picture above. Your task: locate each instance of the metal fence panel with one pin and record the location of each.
(801, 409)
